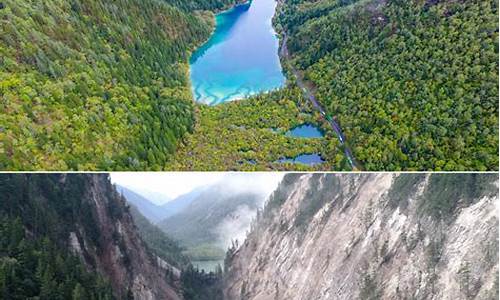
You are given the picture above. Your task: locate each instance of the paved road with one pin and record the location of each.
(310, 96)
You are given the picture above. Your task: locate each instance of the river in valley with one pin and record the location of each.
(240, 58)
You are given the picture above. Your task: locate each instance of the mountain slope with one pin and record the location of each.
(372, 236)
(413, 84)
(215, 5)
(80, 214)
(154, 197)
(162, 245)
(181, 202)
(96, 84)
(212, 219)
(154, 212)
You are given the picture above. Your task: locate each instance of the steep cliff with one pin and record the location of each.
(372, 236)
(80, 214)
(123, 255)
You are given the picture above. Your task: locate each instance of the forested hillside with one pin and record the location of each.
(96, 84)
(71, 236)
(37, 267)
(103, 85)
(162, 245)
(34, 257)
(215, 5)
(413, 84)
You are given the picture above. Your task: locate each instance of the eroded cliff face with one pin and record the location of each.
(115, 249)
(372, 236)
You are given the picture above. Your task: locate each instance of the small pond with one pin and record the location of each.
(305, 131)
(306, 159)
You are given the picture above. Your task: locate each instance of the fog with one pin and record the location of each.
(174, 184)
(235, 226)
(261, 183)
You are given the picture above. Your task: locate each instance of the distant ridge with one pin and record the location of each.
(154, 212)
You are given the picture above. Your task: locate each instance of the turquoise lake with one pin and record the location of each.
(240, 58)
(305, 131)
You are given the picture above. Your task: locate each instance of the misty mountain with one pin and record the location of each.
(154, 197)
(150, 210)
(214, 217)
(154, 212)
(181, 202)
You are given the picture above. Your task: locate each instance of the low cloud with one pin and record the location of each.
(259, 183)
(174, 184)
(235, 226)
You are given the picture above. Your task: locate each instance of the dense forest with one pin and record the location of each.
(34, 257)
(96, 84)
(32, 268)
(413, 84)
(213, 5)
(200, 285)
(99, 85)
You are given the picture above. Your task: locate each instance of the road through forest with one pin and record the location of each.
(310, 96)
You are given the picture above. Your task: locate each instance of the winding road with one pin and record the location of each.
(310, 96)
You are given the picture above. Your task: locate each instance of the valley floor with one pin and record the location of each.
(251, 135)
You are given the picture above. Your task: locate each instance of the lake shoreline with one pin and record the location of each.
(213, 15)
(227, 66)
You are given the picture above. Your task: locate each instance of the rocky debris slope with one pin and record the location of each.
(372, 236)
(107, 240)
(122, 255)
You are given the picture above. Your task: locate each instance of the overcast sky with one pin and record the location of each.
(173, 184)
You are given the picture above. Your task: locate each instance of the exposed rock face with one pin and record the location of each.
(372, 236)
(118, 251)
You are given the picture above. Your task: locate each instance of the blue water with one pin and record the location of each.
(241, 57)
(305, 131)
(307, 159)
